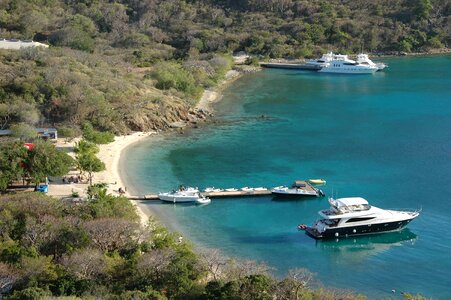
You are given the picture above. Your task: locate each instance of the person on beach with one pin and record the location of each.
(121, 191)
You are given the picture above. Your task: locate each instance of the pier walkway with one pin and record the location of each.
(239, 193)
(291, 66)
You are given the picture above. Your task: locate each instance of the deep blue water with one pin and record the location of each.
(385, 137)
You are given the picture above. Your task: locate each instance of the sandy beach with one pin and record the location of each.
(212, 96)
(111, 153)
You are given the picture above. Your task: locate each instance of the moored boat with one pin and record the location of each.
(203, 200)
(317, 181)
(260, 189)
(247, 189)
(365, 60)
(321, 62)
(181, 195)
(298, 188)
(213, 190)
(341, 64)
(354, 216)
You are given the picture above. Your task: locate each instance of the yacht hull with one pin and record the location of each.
(339, 71)
(357, 230)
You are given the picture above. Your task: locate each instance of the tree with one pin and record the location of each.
(8, 276)
(67, 132)
(24, 132)
(86, 263)
(45, 160)
(111, 234)
(423, 8)
(86, 158)
(214, 262)
(95, 136)
(12, 156)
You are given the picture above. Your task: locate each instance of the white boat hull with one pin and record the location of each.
(293, 192)
(177, 198)
(341, 71)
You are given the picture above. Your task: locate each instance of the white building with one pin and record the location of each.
(14, 44)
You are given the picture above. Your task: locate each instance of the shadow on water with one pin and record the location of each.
(295, 198)
(375, 242)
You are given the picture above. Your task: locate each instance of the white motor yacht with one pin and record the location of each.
(365, 60)
(341, 64)
(354, 216)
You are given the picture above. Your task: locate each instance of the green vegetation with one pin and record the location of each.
(86, 159)
(140, 65)
(98, 249)
(35, 165)
(95, 136)
(117, 66)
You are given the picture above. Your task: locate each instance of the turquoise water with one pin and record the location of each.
(385, 137)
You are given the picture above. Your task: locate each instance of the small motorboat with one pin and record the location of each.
(298, 188)
(231, 190)
(260, 189)
(203, 200)
(247, 189)
(183, 194)
(212, 190)
(317, 181)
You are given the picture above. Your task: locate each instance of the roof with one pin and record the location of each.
(351, 201)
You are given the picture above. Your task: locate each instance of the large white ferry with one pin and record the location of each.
(354, 216)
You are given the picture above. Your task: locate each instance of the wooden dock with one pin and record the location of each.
(291, 66)
(239, 193)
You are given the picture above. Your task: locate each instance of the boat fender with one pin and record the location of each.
(354, 231)
(336, 234)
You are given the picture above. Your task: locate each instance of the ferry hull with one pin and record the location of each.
(357, 230)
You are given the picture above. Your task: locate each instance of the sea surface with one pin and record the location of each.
(385, 137)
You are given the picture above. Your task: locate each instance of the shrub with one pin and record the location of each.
(95, 136)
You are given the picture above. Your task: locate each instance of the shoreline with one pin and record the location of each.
(110, 155)
(214, 95)
(113, 156)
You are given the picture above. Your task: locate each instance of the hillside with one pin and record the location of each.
(141, 65)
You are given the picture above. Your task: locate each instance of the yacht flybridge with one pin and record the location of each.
(354, 216)
(321, 62)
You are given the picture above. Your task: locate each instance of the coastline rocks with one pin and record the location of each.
(178, 124)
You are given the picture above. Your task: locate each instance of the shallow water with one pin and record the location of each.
(385, 137)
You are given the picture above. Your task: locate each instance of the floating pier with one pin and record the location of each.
(239, 193)
(291, 66)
